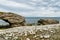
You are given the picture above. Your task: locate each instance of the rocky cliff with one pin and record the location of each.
(13, 19)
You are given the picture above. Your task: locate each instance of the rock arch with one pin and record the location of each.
(13, 19)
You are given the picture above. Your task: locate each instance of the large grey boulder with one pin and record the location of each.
(13, 19)
(47, 21)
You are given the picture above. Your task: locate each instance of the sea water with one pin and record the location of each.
(32, 20)
(35, 19)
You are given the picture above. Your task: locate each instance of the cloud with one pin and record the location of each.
(3, 10)
(32, 8)
(14, 4)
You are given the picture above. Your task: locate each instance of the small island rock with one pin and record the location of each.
(47, 21)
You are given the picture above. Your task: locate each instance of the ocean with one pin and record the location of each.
(35, 19)
(32, 20)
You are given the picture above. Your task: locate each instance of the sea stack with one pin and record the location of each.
(13, 19)
(47, 21)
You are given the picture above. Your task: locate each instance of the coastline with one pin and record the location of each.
(26, 28)
(48, 32)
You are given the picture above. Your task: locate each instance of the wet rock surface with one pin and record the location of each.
(13, 19)
(47, 21)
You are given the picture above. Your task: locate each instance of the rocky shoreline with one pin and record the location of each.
(46, 32)
(45, 29)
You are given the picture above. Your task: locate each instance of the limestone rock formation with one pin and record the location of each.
(47, 21)
(13, 19)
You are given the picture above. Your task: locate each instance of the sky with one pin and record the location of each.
(32, 8)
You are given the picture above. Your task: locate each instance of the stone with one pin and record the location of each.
(1, 38)
(47, 21)
(13, 19)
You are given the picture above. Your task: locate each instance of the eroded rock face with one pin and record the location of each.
(13, 19)
(47, 21)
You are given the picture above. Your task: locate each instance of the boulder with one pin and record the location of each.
(47, 21)
(13, 19)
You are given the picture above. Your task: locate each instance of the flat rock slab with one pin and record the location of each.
(29, 28)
